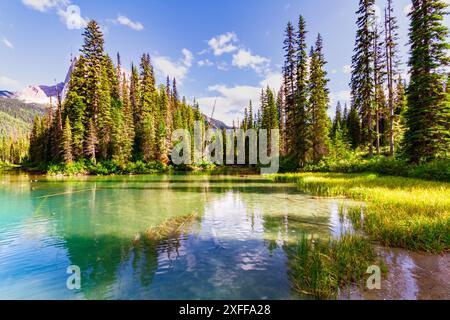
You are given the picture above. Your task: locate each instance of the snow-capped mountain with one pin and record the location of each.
(41, 94)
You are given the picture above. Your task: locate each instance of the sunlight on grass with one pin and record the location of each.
(400, 212)
(320, 268)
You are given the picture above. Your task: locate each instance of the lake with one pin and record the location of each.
(124, 234)
(155, 237)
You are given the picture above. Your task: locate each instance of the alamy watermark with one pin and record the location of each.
(374, 280)
(230, 147)
(74, 280)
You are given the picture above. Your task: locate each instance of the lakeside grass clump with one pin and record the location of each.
(321, 268)
(399, 212)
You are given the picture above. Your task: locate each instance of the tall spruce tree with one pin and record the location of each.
(428, 113)
(354, 127)
(67, 142)
(379, 76)
(318, 101)
(302, 113)
(392, 62)
(362, 82)
(338, 119)
(290, 85)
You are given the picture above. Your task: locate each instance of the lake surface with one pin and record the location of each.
(164, 237)
(153, 237)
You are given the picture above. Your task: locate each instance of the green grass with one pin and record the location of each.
(319, 268)
(7, 166)
(104, 168)
(399, 212)
(438, 170)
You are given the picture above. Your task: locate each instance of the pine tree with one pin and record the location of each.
(135, 96)
(399, 111)
(56, 134)
(104, 119)
(91, 142)
(175, 97)
(36, 146)
(379, 75)
(391, 38)
(362, 82)
(282, 120)
(428, 113)
(93, 52)
(290, 77)
(251, 120)
(354, 127)
(147, 120)
(128, 118)
(302, 114)
(75, 106)
(338, 119)
(319, 99)
(66, 146)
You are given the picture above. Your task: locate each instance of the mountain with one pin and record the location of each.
(34, 97)
(17, 116)
(217, 124)
(6, 94)
(41, 94)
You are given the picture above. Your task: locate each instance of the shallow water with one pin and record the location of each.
(155, 237)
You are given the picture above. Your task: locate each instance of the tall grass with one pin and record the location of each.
(319, 268)
(399, 212)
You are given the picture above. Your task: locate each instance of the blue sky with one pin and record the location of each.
(222, 49)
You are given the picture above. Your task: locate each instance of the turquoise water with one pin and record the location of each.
(154, 237)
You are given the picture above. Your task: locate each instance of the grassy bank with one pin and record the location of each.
(399, 212)
(7, 166)
(106, 168)
(320, 268)
(438, 170)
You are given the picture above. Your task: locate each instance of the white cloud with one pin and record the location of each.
(188, 57)
(71, 16)
(230, 101)
(347, 69)
(125, 21)
(8, 83)
(205, 63)
(44, 5)
(7, 43)
(245, 59)
(178, 69)
(273, 80)
(223, 66)
(224, 43)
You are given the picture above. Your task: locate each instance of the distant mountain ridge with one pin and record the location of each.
(17, 116)
(42, 95)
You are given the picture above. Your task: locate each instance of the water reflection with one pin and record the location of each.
(155, 237)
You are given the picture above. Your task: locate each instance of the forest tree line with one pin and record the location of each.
(386, 115)
(108, 115)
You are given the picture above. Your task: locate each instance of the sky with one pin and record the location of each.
(221, 51)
